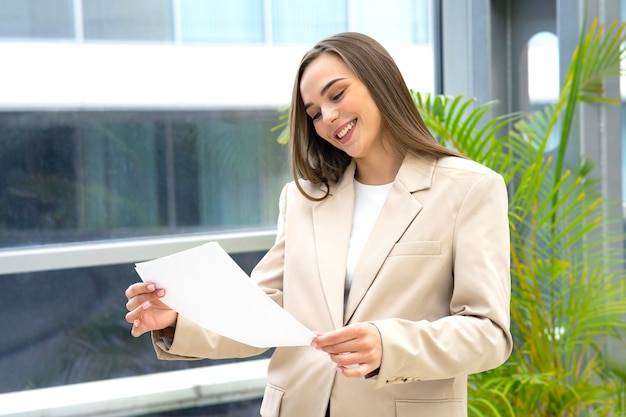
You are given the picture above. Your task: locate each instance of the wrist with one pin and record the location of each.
(167, 332)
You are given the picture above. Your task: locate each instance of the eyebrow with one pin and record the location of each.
(324, 90)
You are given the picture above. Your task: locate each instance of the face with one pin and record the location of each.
(342, 109)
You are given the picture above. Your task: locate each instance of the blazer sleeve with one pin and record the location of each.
(476, 335)
(192, 341)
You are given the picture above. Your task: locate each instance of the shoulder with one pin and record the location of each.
(464, 171)
(451, 165)
(456, 176)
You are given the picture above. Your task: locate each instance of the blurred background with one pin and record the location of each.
(130, 129)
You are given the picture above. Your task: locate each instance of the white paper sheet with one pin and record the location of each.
(206, 285)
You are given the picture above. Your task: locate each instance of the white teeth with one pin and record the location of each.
(345, 130)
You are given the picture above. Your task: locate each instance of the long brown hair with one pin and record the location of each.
(316, 160)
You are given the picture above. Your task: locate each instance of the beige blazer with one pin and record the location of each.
(433, 277)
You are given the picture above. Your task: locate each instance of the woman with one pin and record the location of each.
(389, 245)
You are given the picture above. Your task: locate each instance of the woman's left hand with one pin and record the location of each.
(356, 349)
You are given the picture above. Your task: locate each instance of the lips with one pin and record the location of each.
(343, 130)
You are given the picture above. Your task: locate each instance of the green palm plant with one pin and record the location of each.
(568, 298)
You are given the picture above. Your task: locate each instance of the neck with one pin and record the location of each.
(381, 171)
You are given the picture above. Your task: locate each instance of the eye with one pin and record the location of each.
(316, 115)
(338, 95)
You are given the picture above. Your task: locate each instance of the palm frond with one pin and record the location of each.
(461, 124)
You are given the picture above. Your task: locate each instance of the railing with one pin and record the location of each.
(77, 255)
(137, 395)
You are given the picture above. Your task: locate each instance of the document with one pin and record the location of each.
(205, 285)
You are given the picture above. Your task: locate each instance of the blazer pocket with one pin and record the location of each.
(422, 247)
(272, 399)
(453, 407)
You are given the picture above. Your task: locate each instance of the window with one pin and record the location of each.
(543, 76)
(307, 22)
(234, 21)
(137, 20)
(36, 19)
(405, 16)
(95, 175)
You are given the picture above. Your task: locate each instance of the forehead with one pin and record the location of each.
(320, 71)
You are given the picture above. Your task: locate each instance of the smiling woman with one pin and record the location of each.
(377, 210)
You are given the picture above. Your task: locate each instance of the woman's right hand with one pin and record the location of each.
(146, 312)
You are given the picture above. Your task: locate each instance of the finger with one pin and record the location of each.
(355, 371)
(141, 298)
(137, 313)
(137, 318)
(353, 345)
(346, 359)
(358, 357)
(356, 344)
(354, 365)
(361, 336)
(138, 328)
(345, 334)
(139, 288)
(331, 339)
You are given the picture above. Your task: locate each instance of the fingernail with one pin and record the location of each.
(314, 345)
(136, 323)
(146, 305)
(160, 293)
(340, 370)
(151, 287)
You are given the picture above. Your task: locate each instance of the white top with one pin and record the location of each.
(368, 201)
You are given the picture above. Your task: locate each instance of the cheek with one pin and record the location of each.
(321, 133)
(375, 119)
(326, 139)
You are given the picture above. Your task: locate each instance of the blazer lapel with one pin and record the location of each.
(332, 221)
(397, 213)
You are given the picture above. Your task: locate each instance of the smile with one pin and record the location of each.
(346, 129)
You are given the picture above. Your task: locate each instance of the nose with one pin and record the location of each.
(330, 114)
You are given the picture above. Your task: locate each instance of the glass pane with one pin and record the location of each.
(36, 19)
(543, 76)
(222, 21)
(137, 20)
(409, 19)
(83, 176)
(296, 22)
(79, 338)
